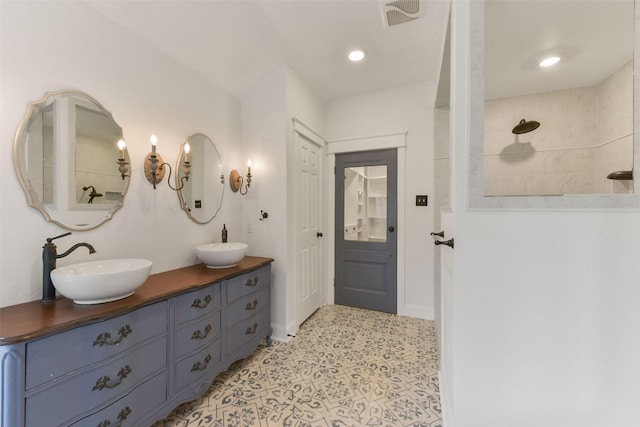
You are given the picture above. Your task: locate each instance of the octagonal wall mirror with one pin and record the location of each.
(201, 195)
(68, 160)
(582, 107)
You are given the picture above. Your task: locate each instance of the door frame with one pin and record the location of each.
(398, 141)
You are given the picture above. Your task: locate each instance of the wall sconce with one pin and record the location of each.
(123, 168)
(155, 172)
(236, 180)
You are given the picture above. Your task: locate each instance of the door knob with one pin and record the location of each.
(444, 242)
(391, 229)
(318, 234)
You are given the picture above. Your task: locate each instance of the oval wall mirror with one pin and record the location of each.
(201, 194)
(68, 160)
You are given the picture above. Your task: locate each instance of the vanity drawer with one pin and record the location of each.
(197, 303)
(246, 307)
(251, 329)
(194, 367)
(63, 400)
(247, 283)
(126, 411)
(197, 334)
(54, 356)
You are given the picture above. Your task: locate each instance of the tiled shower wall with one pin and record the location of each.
(441, 148)
(585, 134)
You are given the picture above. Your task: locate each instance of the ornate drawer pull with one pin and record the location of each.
(197, 335)
(201, 367)
(122, 415)
(253, 282)
(103, 382)
(252, 330)
(198, 304)
(252, 306)
(105, 337)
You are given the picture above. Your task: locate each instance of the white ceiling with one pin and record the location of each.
(236, 43)
(593, 37)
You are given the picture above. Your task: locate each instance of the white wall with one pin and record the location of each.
(406, 109)
(268, 138)
(147, 92)
(544, 303)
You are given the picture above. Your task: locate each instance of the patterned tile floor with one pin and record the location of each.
(346, 367)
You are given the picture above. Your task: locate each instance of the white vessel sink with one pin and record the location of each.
(95, 282)
(221, 255)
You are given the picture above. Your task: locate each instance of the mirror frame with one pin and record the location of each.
(475, 196)
(178, 177)
(95, 215)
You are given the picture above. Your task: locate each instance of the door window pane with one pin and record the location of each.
(365, 203)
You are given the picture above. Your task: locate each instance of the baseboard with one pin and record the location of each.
(445, 405)
(419, 311)
(279, 333)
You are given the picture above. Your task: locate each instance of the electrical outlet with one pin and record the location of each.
(421, 200)
(198, 204)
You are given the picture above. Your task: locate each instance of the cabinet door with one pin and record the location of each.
(244, 336)
(245, 307)
(73, 395)
(133, 406)
(86, 345)
(195, 335)
(197, 366)
(197, 303)
(247, 283)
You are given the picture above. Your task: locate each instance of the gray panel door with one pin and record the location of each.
(366, 218)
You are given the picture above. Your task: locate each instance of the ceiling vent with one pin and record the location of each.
(399, 11)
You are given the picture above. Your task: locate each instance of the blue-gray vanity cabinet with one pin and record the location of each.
(130, 363)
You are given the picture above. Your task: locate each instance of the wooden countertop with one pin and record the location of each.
(34, 319)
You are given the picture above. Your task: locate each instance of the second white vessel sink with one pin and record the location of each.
(221, 255)
(95, 282)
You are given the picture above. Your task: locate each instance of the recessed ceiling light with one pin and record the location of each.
(356, 55)
(548, 62)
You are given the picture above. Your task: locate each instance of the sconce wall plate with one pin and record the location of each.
(235, 180)
(123, 168)
(159, 170)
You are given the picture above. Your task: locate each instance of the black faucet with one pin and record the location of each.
(49, 257)
(93, 193)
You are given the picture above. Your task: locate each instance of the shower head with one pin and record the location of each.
(525, 126)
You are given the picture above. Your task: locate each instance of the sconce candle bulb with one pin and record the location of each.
(187, 150)
(154, 142)
(121, 147)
